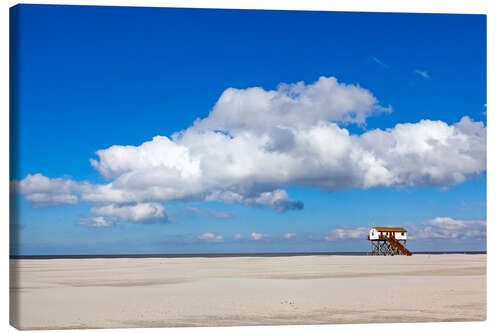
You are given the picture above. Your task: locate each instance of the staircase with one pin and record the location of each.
(394, 243)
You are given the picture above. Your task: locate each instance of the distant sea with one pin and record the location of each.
(217, 255)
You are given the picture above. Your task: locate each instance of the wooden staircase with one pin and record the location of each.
(394, 243)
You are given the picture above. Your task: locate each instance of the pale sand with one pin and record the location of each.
(93, 293)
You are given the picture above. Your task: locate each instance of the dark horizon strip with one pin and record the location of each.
(216, 255)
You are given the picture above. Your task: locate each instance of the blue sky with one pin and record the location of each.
(88, 78)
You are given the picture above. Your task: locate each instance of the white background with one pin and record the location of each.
(423, 6)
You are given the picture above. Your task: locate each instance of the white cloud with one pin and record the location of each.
(51, 199)
(256, 142)
(44, 191)
(243, 170)
(257, 236)
(97, 222)
(277, 199)
(289, 235)
(427, 153)
(346, 233)
(448, 228)
(423, 74)
(290, 105)
(211, 237)
(132, 213)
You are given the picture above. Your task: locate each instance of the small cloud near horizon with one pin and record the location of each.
(210, 237)
(257, 236)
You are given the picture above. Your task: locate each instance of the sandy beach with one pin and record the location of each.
(156, 292)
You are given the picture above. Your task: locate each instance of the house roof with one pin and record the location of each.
(389, 229)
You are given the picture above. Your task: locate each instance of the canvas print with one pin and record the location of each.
(222, 167)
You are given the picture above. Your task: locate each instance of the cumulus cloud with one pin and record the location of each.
(290, 105)
(448, 228)
(243, 170)
(277, 199)
(347, 233)
(289, 235)
(51, 199)
(132, 213)
(44, 191)
(211, 237)
(256, 142)
(423, 74)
